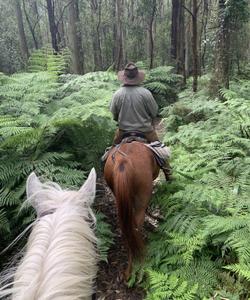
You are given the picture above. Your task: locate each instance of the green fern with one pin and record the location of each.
(105, 236)
(163, 287)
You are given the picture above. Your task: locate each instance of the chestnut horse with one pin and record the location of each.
(129, 171)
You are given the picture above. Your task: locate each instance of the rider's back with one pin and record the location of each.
(134, 108)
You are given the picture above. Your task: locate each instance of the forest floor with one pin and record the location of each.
(110, 285)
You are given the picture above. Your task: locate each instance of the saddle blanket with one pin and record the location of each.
(160, 151)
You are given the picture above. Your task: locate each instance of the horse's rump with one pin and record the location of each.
(129, 171)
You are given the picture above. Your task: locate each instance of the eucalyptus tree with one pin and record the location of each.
(230, 12)
(75, 38)
(22, 36)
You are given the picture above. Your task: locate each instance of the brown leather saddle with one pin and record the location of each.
(131, 136)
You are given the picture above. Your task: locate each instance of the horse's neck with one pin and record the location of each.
(60, 259)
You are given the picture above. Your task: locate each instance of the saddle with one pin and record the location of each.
(160, 151)
(131, 136)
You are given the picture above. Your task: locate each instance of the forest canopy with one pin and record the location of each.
(194, 36)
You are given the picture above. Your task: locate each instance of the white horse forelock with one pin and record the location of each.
(61, 257)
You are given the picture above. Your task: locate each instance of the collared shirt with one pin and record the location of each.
(134, 108)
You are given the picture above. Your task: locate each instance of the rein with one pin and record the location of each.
(47, 212)
(119, 151)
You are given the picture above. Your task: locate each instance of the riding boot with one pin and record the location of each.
(167, 171)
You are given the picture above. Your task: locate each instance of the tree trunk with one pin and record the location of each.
(204, 24)
(37, 23)
(31, 28)
(119, 55)
(61, 35)
(75, 38)
(114, 51)
(52, 25)
(151, 35)
(178, 36)
(222, 61)
(22, 37)
(195, 46)
(96, 40)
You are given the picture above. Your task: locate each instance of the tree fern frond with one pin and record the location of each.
(4, 222)
(241, 269)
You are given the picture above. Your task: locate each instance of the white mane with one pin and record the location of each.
(61, 259)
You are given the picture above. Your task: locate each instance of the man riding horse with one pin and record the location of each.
(134, 108)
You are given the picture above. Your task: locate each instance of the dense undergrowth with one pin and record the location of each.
(58, 126)
(201, 249)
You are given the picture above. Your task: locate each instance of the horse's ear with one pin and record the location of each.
(33, 184)
(89, 187)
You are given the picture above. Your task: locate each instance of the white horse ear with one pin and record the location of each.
(89, 187)
(33, 184)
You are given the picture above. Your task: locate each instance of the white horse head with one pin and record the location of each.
(61, 259)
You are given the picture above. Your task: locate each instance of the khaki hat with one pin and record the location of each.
(131, 75)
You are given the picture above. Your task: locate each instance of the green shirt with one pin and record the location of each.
(134, 108)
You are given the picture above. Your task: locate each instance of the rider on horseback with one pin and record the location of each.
(135, 109)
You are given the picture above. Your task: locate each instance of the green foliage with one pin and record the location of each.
(163, 84)
(51, 125)
(44, 59)
(237, 11)
(59, 126)
(56, 125)
(105, 236)
(204, 239)
(163, 287)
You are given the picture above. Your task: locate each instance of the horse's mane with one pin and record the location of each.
(60, 259)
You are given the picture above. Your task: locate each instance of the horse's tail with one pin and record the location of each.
(124, 192)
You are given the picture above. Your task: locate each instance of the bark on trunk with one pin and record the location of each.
(222, 61)
(96, 39)
(195, 46)
(204, 23)
(114, 51)
(36, 23)
(151, 36)
(31, 28)
(178, 36)
(52, 25)
(22, 37)
(75, 38)
(119, 55)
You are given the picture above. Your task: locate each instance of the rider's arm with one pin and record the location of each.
(114, 108)
(151, 105)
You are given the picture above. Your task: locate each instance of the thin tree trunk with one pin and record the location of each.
(119, 57)
(178, 36)
(37, 23)
(61, 36)
(96, 40)
(52, 25)
(195, 46)
(114, 51)
(204, 21)
(222, 61)
(75, 38)
(31, 28)
(22, 37)
(151, 36)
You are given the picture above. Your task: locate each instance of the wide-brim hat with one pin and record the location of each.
(131, 75)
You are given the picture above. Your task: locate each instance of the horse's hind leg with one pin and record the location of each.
(140, 207)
